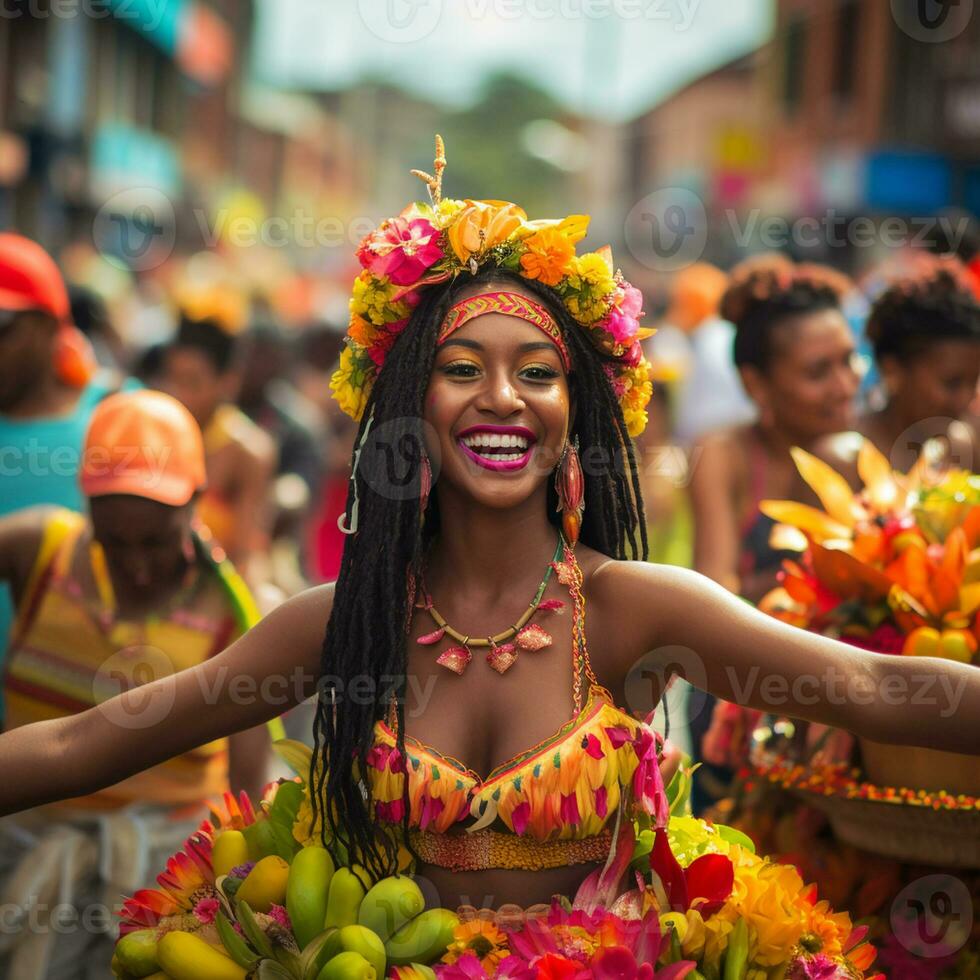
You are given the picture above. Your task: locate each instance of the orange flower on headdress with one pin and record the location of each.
(483, 224)
(548, 255)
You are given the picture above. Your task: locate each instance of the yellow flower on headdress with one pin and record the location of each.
(549, 253)
(573, 227)
(481, 225)
(637, 397)
(348, 383)
(372, 299)
(446, 210)
(590, 287)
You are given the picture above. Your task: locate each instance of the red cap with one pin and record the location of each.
(143, 444)
(30, 279)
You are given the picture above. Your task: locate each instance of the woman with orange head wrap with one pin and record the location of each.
(107, 602)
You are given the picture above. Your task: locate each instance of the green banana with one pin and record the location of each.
(389, 904)
(306, 892)
(344, 898)
(737, 953)
(348, 966)
(254, 933)
(422, 940)
(235, 945)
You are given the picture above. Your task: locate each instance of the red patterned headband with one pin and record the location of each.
(510, 304)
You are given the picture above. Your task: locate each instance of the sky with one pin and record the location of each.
(612, 58)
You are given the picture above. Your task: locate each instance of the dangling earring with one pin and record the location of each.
(352, 529)
(570, 485)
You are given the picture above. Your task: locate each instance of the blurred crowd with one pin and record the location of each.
(238, 465)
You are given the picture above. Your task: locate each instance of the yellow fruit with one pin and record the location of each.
(265, 885)
(137, 952)
(187, 957)
(307, 891)
(424, 939)
(360, 939)
(230, 850)
(390, 904)
(344, 898)
(922, 642)
(957, 645)
(348, 966)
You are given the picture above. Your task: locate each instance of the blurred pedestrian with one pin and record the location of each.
(795, 353)
(114, 600)
(201, 368)
(925, 331)
(49, 387)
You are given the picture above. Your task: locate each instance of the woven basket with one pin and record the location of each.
(915, 834)
(930, 769)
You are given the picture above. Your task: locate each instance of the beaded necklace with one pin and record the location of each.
(502, 653)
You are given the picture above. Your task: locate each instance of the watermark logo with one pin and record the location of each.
(136, 227)
(932, 21)
(933, 916)
(932, 437)
(400, 21)
(390, 460)
(667, 230)
(651, 675)
(133, 672)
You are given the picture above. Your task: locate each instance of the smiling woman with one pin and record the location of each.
(505, 778)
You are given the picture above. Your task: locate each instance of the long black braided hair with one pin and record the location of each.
(366, 636)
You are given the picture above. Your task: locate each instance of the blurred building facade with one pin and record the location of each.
(851, 113)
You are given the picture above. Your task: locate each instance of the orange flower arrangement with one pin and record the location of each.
(894, 568)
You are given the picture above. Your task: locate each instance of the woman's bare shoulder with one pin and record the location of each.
(632, 600)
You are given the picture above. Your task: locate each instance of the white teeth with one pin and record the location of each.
(496, 440)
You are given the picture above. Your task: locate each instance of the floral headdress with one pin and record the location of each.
(432, 243)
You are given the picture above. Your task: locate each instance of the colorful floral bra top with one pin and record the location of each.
(567, 787)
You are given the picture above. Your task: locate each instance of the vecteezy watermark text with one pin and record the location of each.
(146, 14)
(835, 230)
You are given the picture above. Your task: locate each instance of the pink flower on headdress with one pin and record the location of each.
(401, 249)
(632, 302)
(623, 321)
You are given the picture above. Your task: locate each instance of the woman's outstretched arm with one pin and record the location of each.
(264, 673)
(737, 653)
